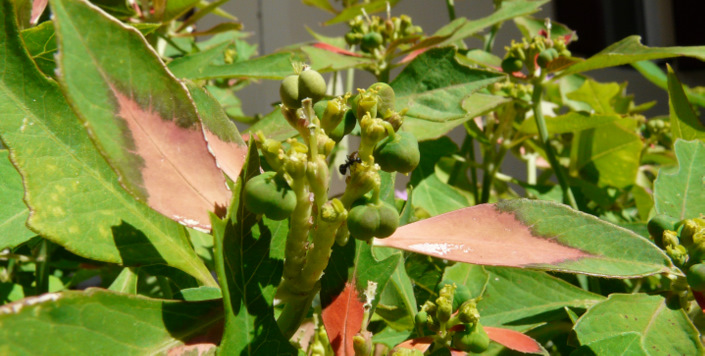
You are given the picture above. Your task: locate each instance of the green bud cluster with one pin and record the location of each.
(374, 34)
(538, 52)
(684, 242)
(453, 318)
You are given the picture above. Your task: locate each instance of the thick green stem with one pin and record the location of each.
(294, 313)
(299, 226)
(536, 97)
(42, 267)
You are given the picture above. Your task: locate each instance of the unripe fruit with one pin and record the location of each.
(269, 194)
(421, 319)
(546, 56)
(696, 277)
(289, 92)
(512, 64)
(472, 339)
(344, 127)
(398, 154)
(311, 85)
(372, 220)
(370, 41)
(658, 224)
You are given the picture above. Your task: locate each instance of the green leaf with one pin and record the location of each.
(41, 45)
(326, 61)
(141, 118)
(97, 321)
(631, 50)
(530, 27)
(271, 66)
(606, 155)
(532, 234)
(321, 4)
(684, 123)
(638, 324)
(248, 277)
(397, 305)
(126, 281)
(14, 213)
(74, 197)
(600, 97)
(432, 87)
(461, 28)
(176, 8)
(274, 126)
(475, 277)
(355, 10)
(437, 197)
(515, 297)
(193, 65)
(655, 75)
(680, 192)
(570, 122)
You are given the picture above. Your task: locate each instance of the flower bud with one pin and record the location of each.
(468, 313)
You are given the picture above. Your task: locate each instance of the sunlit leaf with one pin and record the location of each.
(514, 340)
(570, 122)
(680, 192)
(14, 212)
(432, 87)
(684, 122)
(141, 118)
(343, 319)
(631, 50)
(74, 197)
(397, 305)
(102, 322)
(637, 324)
(532, 234)
(532, 26)
(655, 75)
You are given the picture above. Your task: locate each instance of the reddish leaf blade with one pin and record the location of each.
(38, 7)
(335, 49)
(140, 117)
(224, 140)
(533, 234)
(513, 340)
(343, 319)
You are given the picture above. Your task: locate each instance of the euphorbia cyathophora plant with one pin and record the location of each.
(131, 197)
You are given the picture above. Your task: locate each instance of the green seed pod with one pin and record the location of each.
(289, 92)
(421, 319)
(311, 85)
(372, 220)
(512, 64)
(370, 41)
(658, 224)
(385, 98)
(398, 154)
(269, 194)
(546, 56)
(472, 339)
(345, 127)
(696, 277)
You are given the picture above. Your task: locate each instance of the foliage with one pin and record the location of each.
(137, 219)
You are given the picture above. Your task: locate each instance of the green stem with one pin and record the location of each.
(42, 267)
(299, 225)
(450, 5)
(165, 287)
(536, 97)
(294, 313)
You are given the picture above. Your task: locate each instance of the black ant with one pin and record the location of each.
(351, 159)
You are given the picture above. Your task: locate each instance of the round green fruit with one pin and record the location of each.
(546, 56)
(289, 92)
(269, 194)
(658, 224)
(372, 220)
(370, 41)
(472, 339)
(398, 154)
(311, 85)
(512, 64)
(696, 277)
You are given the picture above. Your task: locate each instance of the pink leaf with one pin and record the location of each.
(179, 177)
(343, 319)
(415, 53)
(38, 7)
(513, 340)
(481, 234)
(423, 343)
(335, 49)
